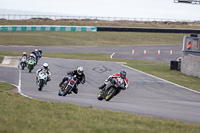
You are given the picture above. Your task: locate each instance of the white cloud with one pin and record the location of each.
(113, 8)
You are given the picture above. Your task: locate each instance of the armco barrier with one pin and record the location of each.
(47, 28)
(91, 29)
(154, 30)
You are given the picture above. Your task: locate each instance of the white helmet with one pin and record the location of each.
(80, 70)
(45, 65)
(36, 50)
(32, 55)
(24, 53)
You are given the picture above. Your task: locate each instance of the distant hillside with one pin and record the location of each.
(88, 22)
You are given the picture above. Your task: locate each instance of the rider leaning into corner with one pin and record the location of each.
(79, 75)
(122, 75)
(46, 69)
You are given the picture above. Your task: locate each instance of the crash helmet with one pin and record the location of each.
(24, 53)
(45, 66)
(123, 74)
(36, 50)
(80, 70)
(32, 55)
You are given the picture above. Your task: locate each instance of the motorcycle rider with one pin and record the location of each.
(122, 75)
(37, 54)
(24, 55)
(79, 75)
(32, 57)
(46, 69)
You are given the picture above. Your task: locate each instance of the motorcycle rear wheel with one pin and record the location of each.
(99, 97)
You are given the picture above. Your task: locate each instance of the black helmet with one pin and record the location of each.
(123, 74)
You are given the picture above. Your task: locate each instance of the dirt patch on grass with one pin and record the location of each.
(14, 90)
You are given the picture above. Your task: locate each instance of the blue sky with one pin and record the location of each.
(166, 9)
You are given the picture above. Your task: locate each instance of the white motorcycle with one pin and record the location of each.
(42, 79)
(23, 62)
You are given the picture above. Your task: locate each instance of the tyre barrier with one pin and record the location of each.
(175, 65)
(47, 28)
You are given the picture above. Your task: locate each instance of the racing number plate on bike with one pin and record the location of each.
(72, 82)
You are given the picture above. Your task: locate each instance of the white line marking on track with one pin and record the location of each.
(160, 79)
(6, 60)
(111, 55)
(19, 85)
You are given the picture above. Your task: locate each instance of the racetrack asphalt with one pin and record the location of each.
(146, 95)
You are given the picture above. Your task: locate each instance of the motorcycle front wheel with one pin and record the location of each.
(110, 93)
(66, 91)
(41, 84)
(30, 68)
(23, 65)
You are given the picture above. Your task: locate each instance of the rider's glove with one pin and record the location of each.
(113, 81)
(83, 81)
(110, 79)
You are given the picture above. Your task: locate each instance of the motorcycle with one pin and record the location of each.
(31, 64)
(68, 86)
(23, 63)
(42, 79)
(112, 88)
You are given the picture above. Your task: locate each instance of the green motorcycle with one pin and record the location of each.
(31, 64)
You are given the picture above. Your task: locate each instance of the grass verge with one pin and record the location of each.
(1, 59)
(38, 38)
(21, 114)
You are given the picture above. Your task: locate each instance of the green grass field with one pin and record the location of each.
(21, 115)
(58, 38)
(1, 59)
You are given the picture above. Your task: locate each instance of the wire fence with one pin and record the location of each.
(57, 17)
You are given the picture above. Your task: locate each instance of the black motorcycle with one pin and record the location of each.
(112, 88)
(68, 86)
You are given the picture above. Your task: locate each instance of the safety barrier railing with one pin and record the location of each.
(47, 28)
(62, 17)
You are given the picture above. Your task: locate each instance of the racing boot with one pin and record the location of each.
(60, 84)
(101, 87)
(36, 79)
(60, 93)
(75, 90)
